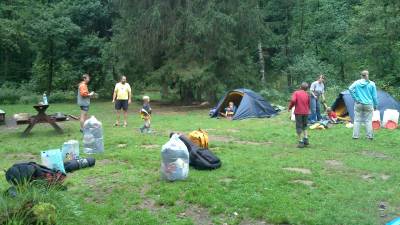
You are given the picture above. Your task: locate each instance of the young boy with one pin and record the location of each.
(145, 113)
(229, 111)
(301, 101)
(331, 115)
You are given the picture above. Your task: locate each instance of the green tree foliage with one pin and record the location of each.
(198, 49)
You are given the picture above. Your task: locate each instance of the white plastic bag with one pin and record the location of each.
(174, 160)
(53, 159)
(93, 136)
(70, 150)
(292, 116)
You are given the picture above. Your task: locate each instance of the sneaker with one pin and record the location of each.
(305, 141)
(141, 129)
(301, 144)
(355, 138)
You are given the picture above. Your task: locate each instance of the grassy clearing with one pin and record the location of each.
(264, 178)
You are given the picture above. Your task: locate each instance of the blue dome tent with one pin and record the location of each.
(344, 104)
(249, 105)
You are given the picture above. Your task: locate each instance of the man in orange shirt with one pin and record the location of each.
(83, 98)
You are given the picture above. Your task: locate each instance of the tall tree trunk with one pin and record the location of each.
(289, 76)
(5, 66)
(342, 71)
(261, 62)
(51, 66)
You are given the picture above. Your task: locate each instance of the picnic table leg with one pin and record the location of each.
(32, 123)
(54, 124)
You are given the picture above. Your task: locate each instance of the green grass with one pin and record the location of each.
(125, 187)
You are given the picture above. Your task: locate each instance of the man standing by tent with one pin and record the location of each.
(122, 97)
(83, 98)
(317, 91)
(365, 97)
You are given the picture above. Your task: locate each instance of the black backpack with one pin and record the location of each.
(21, 173)
(201, 159)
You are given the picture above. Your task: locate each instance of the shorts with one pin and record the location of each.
(121, 104)
(84, 108)
(301, 123)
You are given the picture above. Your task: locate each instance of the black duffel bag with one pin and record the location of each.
(201, 159)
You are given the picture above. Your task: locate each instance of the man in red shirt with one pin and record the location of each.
(301, 101)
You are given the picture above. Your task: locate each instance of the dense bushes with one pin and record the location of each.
(12, 93)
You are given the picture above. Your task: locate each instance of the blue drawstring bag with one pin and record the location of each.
(53, 159)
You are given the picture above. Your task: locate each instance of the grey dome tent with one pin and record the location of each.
(249, 105)
(344, 104)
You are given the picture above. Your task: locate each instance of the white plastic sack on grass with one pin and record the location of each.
(53, 159)
(93, 136)
(174, 160)
(70, 150)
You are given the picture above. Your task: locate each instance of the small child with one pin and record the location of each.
(301, 101)
(145, 113)
(331, 115)
(229, 111)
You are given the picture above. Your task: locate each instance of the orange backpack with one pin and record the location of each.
(200, 138)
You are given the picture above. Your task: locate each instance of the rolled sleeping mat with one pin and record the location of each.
(74, 165)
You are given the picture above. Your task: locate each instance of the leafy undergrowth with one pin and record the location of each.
(264, 178)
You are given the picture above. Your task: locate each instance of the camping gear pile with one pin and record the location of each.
(55, 164)
(93, 136)
(249, 105)
(181, 151)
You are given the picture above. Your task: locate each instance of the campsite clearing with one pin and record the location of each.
(341, 181)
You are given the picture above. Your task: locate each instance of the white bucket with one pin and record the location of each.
(390, 114)
(376, 116)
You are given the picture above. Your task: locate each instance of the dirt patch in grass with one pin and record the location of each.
(150, 146)
(224, 139)
(304, 182)
(106, 162)
(252, 143)
(226, 180)
(385, 176)
(368, 176)
(377, 155)
(253, 222)
(22, 157)
(298, 170)
(227, 139)
(232, 130)
(334, 164)
(199, 215)
(122, 145)
(147, 202)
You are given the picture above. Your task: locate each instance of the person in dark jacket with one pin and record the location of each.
(301, 101)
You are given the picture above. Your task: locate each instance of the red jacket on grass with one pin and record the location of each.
(301, 101)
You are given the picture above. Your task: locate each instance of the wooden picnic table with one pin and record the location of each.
(41, 117)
